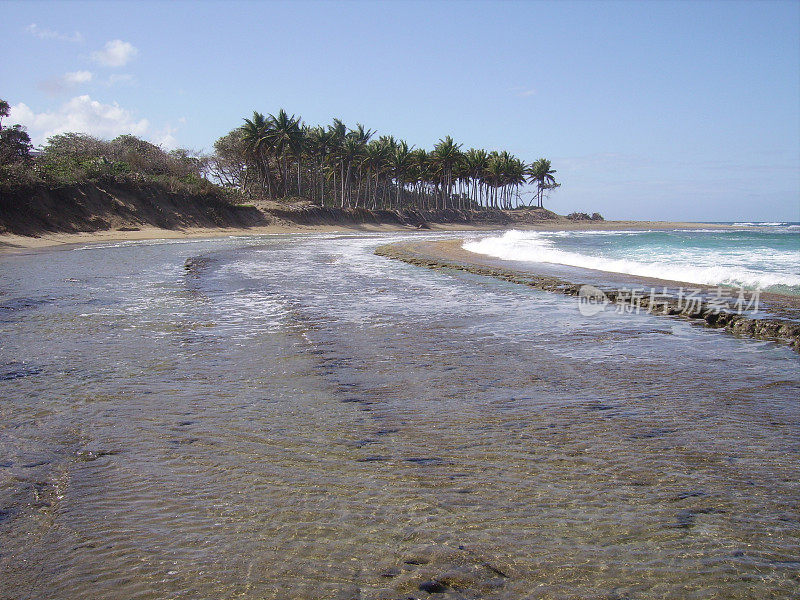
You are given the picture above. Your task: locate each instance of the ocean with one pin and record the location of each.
(296, 417)
(764, 256)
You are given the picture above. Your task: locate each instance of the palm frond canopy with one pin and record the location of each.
(279, 154)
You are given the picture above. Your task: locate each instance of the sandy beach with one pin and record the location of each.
(18, 243)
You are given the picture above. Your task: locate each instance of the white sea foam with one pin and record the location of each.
(734, 267)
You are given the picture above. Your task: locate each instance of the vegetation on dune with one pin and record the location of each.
(74, 158)
(276, 156)
(279, 156)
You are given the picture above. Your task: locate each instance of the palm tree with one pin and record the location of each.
(284, 138)
(359, 171)
(514, 177)
(362, 135)
(446, 155)
(401, 162)
(476, 162)
(350, 152)
(338, 133)
(422, 173)
(319, 145)
(493, 176)
(256, 138)
(540, 173)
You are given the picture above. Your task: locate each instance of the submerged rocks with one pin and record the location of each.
(433, 586)
(457, 572)
(88, 455)
(12, 371)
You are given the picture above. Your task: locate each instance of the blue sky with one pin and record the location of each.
(648, 110)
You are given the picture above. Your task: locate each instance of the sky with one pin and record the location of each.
(647, 110)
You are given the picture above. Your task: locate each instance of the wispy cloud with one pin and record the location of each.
(67, 81)
(115, 53)
(523, 91)
(120, 79)
(77, 77)
(48, 34)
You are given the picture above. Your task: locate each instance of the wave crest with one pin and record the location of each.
(721, 268)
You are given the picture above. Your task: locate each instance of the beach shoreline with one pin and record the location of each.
(782, 322)
(11, 244)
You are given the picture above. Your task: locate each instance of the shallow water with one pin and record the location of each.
(298, 418)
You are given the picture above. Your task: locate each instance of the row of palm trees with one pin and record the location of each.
(351, 168)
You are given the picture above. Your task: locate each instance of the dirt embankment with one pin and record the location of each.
(34, 211)
(96, 207)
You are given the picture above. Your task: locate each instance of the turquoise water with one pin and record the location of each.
(753, 257)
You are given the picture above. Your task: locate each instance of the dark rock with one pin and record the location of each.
(90, 455)
(386, 431)
(690, 494)
(183, 441)
(38, 463)
(433, 587)
(19, 373)
(685, 519)
(425, 460)
(373, 458)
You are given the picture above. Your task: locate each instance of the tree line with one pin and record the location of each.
(74, 158)
(278, 156)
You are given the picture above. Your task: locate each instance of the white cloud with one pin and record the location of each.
(49, 34)
(165, 138)
(115, 53)
(81, 114)
(77, 77)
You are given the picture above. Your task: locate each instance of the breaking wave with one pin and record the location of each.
(677, 259)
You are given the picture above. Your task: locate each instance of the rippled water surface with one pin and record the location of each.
(294, 417)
